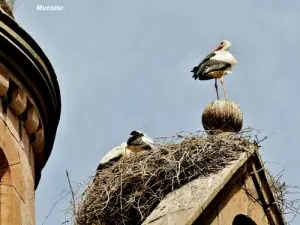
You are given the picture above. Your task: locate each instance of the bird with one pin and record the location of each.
(137, 142)
(216, 65)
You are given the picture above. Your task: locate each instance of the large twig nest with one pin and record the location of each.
(222, 116)
(128, 191)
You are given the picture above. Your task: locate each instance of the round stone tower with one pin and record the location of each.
(29, 115)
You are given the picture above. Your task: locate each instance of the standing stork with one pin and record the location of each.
(216, 65)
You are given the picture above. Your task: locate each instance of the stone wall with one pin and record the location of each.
(21, 139)
(246, 196)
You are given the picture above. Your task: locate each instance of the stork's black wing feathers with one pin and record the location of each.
(198, 70)
(109, 163)
(102, 166)
(213, 65)
(208, 65)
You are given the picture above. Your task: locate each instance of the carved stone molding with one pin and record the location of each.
(21, 104)
(29, 87)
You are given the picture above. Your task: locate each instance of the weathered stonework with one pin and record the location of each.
(17, 150)
(29, 115)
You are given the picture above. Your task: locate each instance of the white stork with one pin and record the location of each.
(216, 65)
(137, 142)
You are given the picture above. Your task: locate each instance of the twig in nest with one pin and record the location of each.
(282, 193)
(61, 197)
(72, 193)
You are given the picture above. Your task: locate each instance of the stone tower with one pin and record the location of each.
(29, 115)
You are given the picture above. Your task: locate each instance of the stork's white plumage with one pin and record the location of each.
(115, 153)
(137, 142)
(216, 65)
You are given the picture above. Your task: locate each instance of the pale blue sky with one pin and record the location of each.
(125, 64)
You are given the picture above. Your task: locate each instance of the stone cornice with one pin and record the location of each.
(30, 70)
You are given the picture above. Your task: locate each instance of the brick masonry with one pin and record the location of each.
(21, 138)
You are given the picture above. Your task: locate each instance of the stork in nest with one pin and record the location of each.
(137, 142)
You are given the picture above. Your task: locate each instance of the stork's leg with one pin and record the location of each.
(224, 89)
(216, 86)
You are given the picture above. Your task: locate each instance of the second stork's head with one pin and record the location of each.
(224, 46)
(139, 141)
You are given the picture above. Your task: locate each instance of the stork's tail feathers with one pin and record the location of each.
(195, 70)
(195, 76)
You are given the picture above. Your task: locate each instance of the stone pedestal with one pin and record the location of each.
(222, 116)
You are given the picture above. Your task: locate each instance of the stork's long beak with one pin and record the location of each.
(218, 48)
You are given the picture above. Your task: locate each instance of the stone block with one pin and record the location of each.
(10, 146)
(38, 144)
(32, 122)
(4, 80)
(19, 101)
(25, 141)
(7, 204)
(13, 123)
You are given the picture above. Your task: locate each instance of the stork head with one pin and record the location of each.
(224, 45)
(139, 141)
(136, 133)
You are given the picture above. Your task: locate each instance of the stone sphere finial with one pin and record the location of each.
(222, 116)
